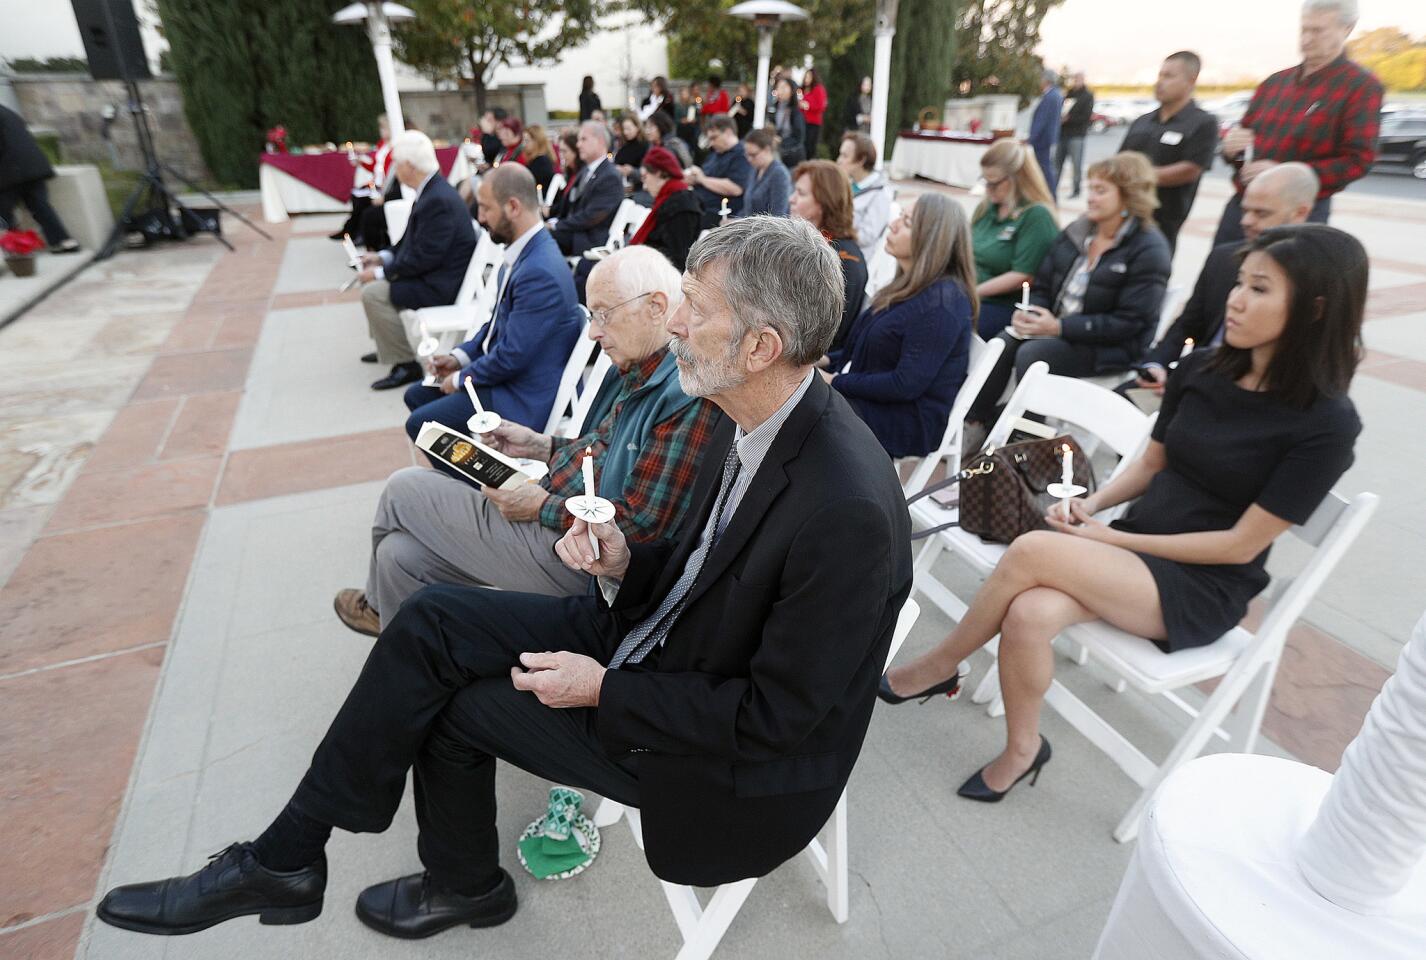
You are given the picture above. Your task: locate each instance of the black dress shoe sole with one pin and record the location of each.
(271, 916)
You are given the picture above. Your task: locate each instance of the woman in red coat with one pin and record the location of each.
(814, 105)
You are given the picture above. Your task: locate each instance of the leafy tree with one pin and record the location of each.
(247, 65)
(1378, 44)
(49, 65)
(1405, 70)
(455, 38)
(923, 61)
(997, 41)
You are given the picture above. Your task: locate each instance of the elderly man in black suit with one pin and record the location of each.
(1277, 197)
(426, 268)
(594, 197)
(24, 168)
(722, 682)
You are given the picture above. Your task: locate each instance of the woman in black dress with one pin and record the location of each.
(588, 99)
(630, 153)
(1251, 438)
(539, 156)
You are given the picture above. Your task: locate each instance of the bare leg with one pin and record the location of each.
(1111, 582)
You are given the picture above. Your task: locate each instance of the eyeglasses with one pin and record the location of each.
(600, 318)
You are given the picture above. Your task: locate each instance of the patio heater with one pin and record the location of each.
(766, 15)
(379, 17)
(881, 73)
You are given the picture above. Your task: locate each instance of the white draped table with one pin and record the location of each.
(951, 159)
(284, 194)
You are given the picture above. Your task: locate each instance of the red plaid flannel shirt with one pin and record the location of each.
(1328, 121)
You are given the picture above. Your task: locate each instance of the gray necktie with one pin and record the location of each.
(651, 631)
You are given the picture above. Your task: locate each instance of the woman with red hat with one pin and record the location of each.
(673, 224)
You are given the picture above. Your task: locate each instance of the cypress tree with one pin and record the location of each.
(922, 58)
(245, 66)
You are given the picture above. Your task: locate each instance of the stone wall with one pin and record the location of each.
(449, 114)
(72, 105)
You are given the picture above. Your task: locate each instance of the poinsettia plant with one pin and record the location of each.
(21, 243)
(277, 139)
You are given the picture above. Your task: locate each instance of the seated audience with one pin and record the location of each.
(659, 100)
(726, 691)
(539, 156)
(907, 355)
(789, 123)
(1097, 293)
(426, 268)
(511, 133)
(742, 110)
(570, 166)
(594, 195)
(1012, 230)
(871, 194)
(769, 184)
(490, 144)
(687, 121)
(676, 218)
(369, 179)
(715, 99)
(516, 358)
(647, 437)
(630, 154)
(1280, 196)
(1251, 437)
(823, 197)
(659, 133)
(724, 172)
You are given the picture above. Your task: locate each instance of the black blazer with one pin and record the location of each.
(1121, 305)
(585, 222)
(21, 159)
(542, 168)
(1203, 314)
(676, 225)
(431, 259)
(747, 725)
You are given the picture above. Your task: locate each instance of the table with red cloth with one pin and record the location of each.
(952, 158)
(322, 182)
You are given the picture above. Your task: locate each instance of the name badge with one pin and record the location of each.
(1171, 137)
(1118, 268)
(1007, 234)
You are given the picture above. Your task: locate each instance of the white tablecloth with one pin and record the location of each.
(1215, 875)
(952, 162)
(284, 195)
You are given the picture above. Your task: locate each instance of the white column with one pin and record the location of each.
(764, 67)
(881, 89)
(379, 31)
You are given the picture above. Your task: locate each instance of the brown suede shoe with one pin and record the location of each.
(353, 610)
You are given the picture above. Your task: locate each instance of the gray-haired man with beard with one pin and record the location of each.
(731, 670)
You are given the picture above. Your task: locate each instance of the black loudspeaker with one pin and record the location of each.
(112, 44)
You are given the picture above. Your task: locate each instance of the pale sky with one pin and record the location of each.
(1111, 40)
(1123, 41)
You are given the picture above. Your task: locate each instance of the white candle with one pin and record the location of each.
(1025, 295)
(588, 471)
(1067, 469)
(724, 209)
(470, 389)
(1187, 348)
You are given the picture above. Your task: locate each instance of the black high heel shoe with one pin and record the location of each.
(951, 688)
(975, 788)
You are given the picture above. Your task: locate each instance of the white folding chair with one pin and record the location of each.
(1174, 299)
(397, 213)
(573, 368)
(703, 927)
(1246, 661)
(557, 183)
(983, 356)
(580, 408)
(473, 303)
(627, 220)
(1084, 406)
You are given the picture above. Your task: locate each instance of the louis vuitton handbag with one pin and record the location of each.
(1002, 491)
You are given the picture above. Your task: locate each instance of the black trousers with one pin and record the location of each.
(354, 224)
(435, 695)
(1065, 358)
(1230, 226)
(36, 198)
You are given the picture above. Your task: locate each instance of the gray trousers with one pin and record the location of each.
(432, 528)
(383, 322)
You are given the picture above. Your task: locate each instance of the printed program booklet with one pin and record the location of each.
(471, 458)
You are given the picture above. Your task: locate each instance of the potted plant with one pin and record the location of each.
(20, 247)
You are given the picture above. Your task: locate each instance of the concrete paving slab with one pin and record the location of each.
(312, 263)
(306, 380)
(1404, 336)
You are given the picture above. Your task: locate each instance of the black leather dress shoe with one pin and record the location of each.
(400, 375)
(416, 906)
(368, 357)
(233, 884)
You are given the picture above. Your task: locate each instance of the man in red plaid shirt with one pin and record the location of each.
(646, 437)
(1324, 112)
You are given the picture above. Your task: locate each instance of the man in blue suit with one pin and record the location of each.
(595, 197)
(426, 268)
(515, 359)
(1045, 126)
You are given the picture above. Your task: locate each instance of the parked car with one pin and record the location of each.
(1402, 140)
(1229, 110)
(1099, 122)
